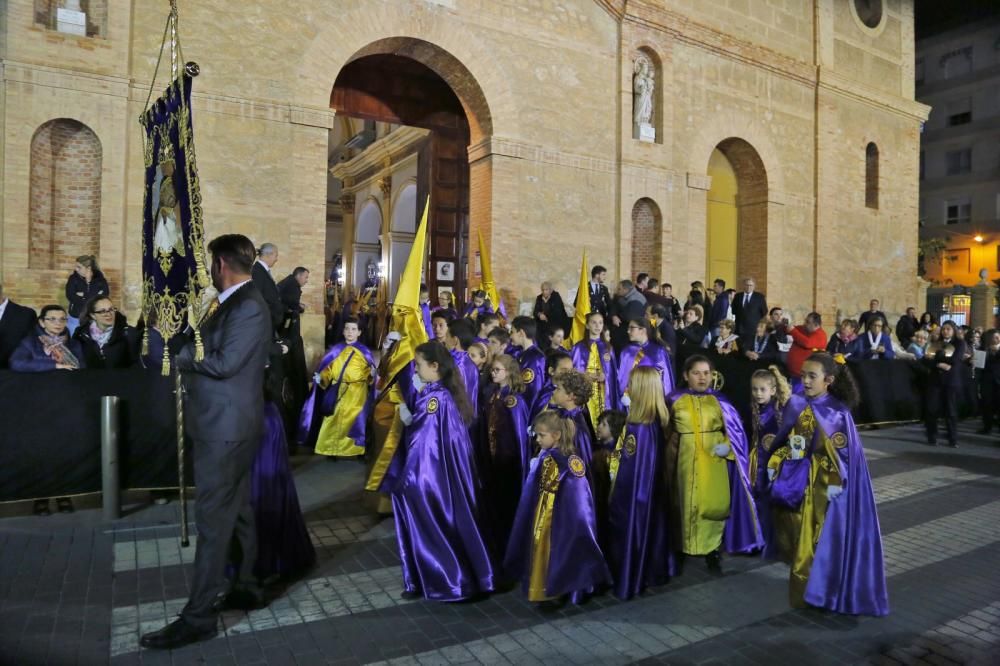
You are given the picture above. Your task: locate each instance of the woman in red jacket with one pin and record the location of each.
(807, 339)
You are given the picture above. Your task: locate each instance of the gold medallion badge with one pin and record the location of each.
(839, 440)
(576, 466)
(607, 356)
(511, 402)
(528, 375)
(432, 405)
(630, 445)
(767, 441)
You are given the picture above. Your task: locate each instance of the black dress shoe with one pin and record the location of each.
(410, 595)
(176, 634)
(953, 445)
(41, 508)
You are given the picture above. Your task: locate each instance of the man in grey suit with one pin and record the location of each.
(224, 406)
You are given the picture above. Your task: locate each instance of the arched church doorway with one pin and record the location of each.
(647, 230)
(737, 214)
(414, 109)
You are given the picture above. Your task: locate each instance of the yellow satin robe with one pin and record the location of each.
(333, 439)
(541, 537)
(596, 405)
(796, 531)
(702, 477)
(383, 441)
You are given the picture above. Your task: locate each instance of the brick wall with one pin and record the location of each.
(65, 194)
(646, 228)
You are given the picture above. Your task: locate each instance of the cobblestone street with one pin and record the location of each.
(78, 591)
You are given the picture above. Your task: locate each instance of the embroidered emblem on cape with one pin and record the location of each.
(432, 405)
(766, 441)
(528, 375)
(511, 401)
(839, 440)
(630, 445)
(607, 356)
(576, 466)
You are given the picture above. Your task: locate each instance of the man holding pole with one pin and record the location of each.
(224, 403)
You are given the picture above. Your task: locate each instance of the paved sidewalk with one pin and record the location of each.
(74, 590)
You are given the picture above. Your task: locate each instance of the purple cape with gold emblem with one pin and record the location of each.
(742, 531)
(848, 569)
(576, 565)
(764, 428)
(654, 355)
(470, 377)
(502, 456)
(542, 399)
(438, 523)
(483, 309)
(581, 359)
(532, 361)
(322, 402)
(638, 536)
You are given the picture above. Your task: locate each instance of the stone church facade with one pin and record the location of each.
(805, 110)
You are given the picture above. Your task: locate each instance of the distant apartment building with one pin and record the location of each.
(958, 74)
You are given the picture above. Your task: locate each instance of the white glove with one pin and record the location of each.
(418, 383)
(833, 492)
(721, 450)
(404, 414)
(316, 379)
(771, 473)
(626, 401)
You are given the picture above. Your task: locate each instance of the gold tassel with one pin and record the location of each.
(145, 341)
(166, 361)
(199, 348)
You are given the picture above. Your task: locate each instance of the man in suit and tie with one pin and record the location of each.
(749, 307)
(224, 403)
(267, 257)
(16, 323)
(600, 297)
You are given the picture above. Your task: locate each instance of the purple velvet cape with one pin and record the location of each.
(766, 424)
(425, 313)
(283, 543)
(485, 308)
(581, 358)
(323, 402)
(502, 472)
(742, 532)
(542, 400)
(532, 359)
(638, 536)
(438, 522)
(848, 570)
(470, 376)
(576, 563)
(654, 355)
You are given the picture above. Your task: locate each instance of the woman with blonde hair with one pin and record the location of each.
(639, 551)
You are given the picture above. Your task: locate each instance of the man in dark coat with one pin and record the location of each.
(16, 323)
(600, 297)
(296, 376)
(749, 307)
(223, 415)
(906, 327)
(267, 257)
(871, 314)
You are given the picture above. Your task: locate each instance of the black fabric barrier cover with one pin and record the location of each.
(50, 439)
(50, 423)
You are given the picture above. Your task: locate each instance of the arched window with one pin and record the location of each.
(647, 227)
(871, 176)
(64, 194)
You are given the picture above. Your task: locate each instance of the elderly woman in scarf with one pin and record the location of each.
(49, 347)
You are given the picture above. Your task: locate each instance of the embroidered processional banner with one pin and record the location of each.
(173, 237)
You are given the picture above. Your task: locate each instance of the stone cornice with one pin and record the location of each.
(507, 147)
(380, 155)
(831, 81)
(66, 79)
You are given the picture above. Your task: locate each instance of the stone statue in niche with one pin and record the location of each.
(643, 87)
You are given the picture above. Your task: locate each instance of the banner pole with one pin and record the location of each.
(182, 489)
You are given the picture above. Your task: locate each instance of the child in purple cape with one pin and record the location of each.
(770, 392)
(434, 493)
(822, 505)
(553, 545)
